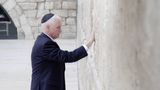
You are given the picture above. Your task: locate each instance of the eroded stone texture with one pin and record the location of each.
(34, 10)
(127, 49)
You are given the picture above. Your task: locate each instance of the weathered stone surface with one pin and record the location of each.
(16, 22)
(28, 6)
(41, 13)
(35, 31)
(68, 31)
(21, 0)
(71, 21)
(62, 13)
(69, 28)
(72, 13)
(2, 1)
(26, 27)
(9, 4)
(33, 21)
(29, 1)
(49, 5)
(68, 35)
(30, 13)
(21, 34)
(63, 21)
(126, 52)
(33, 10)
(53, 0)
(18, 10)
(69, 5)
(13, 13)
(40, 0)
(41, 6)
(57, 5)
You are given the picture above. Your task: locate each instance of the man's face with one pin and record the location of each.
(55, 29)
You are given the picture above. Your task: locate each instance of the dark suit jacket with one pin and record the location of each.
(48, 63)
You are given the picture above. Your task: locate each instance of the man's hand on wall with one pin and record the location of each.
(89, 40)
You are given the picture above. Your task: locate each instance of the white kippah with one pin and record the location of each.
(52, 19)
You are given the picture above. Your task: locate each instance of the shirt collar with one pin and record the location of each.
(48, 36)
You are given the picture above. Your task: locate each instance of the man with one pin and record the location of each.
(48, 60)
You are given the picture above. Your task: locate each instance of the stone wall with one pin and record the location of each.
(26, 15)
(126, 53)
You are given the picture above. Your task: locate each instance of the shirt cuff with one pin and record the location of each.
(85, 47)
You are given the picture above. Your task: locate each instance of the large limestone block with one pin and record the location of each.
(57, 5)
(41, 6)
(41, 13)
(126, 53)
(71, 21)
(48, 5)
(28, 6)
(72, 13)
(62, 13)
(69, 4)
(30, 13)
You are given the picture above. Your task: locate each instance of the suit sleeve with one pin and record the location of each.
(53, 53)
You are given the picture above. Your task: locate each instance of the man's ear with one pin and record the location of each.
(48, 27)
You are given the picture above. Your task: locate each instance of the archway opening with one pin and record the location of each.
(8, 29)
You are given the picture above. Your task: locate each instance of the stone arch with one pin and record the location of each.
(8, 28)
(19, 19)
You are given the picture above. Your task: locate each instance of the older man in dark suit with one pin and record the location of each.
(48, 60)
